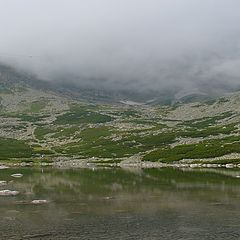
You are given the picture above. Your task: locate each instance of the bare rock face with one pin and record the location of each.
(8, 193)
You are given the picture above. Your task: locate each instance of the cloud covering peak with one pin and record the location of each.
(147, 44)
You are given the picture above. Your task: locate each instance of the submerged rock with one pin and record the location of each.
(3, 183)
(17, 175)
(39, 202)
(3, 167)
(8, 193)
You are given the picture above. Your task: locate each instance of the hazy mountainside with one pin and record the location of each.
(165, 96)
(13, 78)
(38, 123)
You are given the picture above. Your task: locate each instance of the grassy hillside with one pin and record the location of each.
(39, 125)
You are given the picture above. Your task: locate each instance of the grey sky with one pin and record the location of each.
(124, 43)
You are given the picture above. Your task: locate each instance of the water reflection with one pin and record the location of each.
(121, 204)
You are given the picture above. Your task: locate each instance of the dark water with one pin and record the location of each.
(121, 204)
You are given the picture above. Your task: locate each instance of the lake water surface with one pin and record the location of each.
(121, 204)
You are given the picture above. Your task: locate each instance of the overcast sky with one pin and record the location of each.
(143, 44)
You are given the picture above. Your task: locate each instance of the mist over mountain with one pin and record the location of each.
(154, 49)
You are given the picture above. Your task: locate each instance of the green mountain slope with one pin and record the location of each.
(39, 124)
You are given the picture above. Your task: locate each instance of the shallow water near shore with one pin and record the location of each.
(121, 204)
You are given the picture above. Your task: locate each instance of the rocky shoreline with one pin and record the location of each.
(123, 164)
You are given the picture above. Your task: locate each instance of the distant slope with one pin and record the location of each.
(10, 77)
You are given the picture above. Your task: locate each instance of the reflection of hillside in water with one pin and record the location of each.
(75, 195)
(163, 186)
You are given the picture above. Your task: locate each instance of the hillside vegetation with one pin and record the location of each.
(44, 126)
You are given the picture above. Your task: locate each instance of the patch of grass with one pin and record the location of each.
(206, 149)
(87, 150)
(92, 134)
(37, 106)
(12, 148)
(42, 151)
(220, 161)
(40, 132)
(210, 131)
(101, 148)
(94, 144)
(65, 132)
(206, 121)
(78, 115)
(129, 113)
(152, 141)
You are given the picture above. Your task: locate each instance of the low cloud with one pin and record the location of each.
(127, 44)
